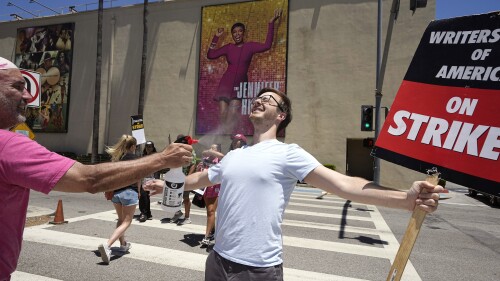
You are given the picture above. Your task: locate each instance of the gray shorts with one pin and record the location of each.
(126, 197)
(218, 268)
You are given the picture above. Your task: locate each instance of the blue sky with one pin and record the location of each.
(454, 8)
(444, 8)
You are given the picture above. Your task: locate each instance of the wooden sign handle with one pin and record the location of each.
(409, 238)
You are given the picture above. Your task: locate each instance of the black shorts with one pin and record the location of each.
(218, 268)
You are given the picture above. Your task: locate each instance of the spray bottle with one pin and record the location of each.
(174, 184)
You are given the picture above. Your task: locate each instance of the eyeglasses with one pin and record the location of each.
(265, 99)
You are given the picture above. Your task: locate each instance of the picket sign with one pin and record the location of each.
(411, 234)
(445, 114)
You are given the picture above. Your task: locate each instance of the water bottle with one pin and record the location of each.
(173, 188)
(172, 191)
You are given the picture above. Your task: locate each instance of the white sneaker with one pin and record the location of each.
(176, 216)
(184, 221)
(207, 240)
(105, 252)
(125, 248)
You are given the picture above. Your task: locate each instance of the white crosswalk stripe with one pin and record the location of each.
(329, 208)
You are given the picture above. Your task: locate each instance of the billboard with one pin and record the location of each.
(48, 51)
(243, 48)
(445, 114)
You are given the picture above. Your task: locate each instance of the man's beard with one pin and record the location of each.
(11, 117)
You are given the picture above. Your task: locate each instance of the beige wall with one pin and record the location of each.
(331, 72)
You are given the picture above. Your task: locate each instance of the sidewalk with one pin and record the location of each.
(38, 215)
(34, 211)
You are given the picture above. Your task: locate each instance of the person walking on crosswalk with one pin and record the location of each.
(256, 184)
(124, 199)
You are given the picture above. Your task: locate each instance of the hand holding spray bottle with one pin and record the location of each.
(174, 184)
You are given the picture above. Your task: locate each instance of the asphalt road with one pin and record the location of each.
(328, 239)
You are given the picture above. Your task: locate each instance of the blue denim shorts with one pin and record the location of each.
(126, 197)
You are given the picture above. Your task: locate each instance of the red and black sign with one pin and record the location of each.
(446, 113)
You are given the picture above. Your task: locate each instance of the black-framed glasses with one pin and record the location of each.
(265, 99)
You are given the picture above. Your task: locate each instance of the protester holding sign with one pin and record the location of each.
(256, 184)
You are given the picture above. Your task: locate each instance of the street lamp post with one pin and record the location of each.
(16, 16)
(381, 64)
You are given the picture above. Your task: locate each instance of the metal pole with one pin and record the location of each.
(97, 94)
(376, 161)
(142, 84)
(380, 75)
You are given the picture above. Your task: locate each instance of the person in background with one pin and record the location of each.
(210, 194)
(179, 217)
(124, 199)
(144, 200)
(238, 140)
(256, 184)
(26, 165)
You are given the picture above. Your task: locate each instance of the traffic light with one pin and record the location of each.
(366, 118)
(368, 142)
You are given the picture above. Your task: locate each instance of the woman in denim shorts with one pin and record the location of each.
(124, 200)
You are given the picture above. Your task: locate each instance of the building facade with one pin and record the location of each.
(331, 67)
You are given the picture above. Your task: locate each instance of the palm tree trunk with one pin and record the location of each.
(97, 95)
(140, 110)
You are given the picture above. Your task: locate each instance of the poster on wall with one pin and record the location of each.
(243, 49)
(445, 114)
(48, 51)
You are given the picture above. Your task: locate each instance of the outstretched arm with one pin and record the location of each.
(277, 15)
(113, 175)
(421, 194)
(197, 180)
(259, 47)
(193, 181)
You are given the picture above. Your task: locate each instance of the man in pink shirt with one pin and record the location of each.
(26, 165)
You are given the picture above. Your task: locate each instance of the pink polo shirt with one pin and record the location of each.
(24, 165)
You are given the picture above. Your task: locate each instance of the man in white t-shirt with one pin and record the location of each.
(256, 184)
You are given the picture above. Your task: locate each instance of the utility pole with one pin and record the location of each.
(381, 64)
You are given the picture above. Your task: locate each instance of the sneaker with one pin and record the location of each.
(142, 218)
(125, 248)
(176, 217)
(105, 252)
(207, 240)
(150, 217)
(184, 221)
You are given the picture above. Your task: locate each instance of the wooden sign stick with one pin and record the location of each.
(416, 220)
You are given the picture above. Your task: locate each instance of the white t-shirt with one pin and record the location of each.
(256, 184)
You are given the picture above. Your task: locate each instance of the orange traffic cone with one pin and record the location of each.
(59, 217)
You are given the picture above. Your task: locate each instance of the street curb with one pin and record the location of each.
(34, 211)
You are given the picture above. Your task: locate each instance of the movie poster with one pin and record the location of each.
(243, 49)
(48, 50)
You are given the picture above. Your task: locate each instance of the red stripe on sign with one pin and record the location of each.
(456, 128)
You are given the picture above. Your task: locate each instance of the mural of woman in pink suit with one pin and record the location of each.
(238, 56)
